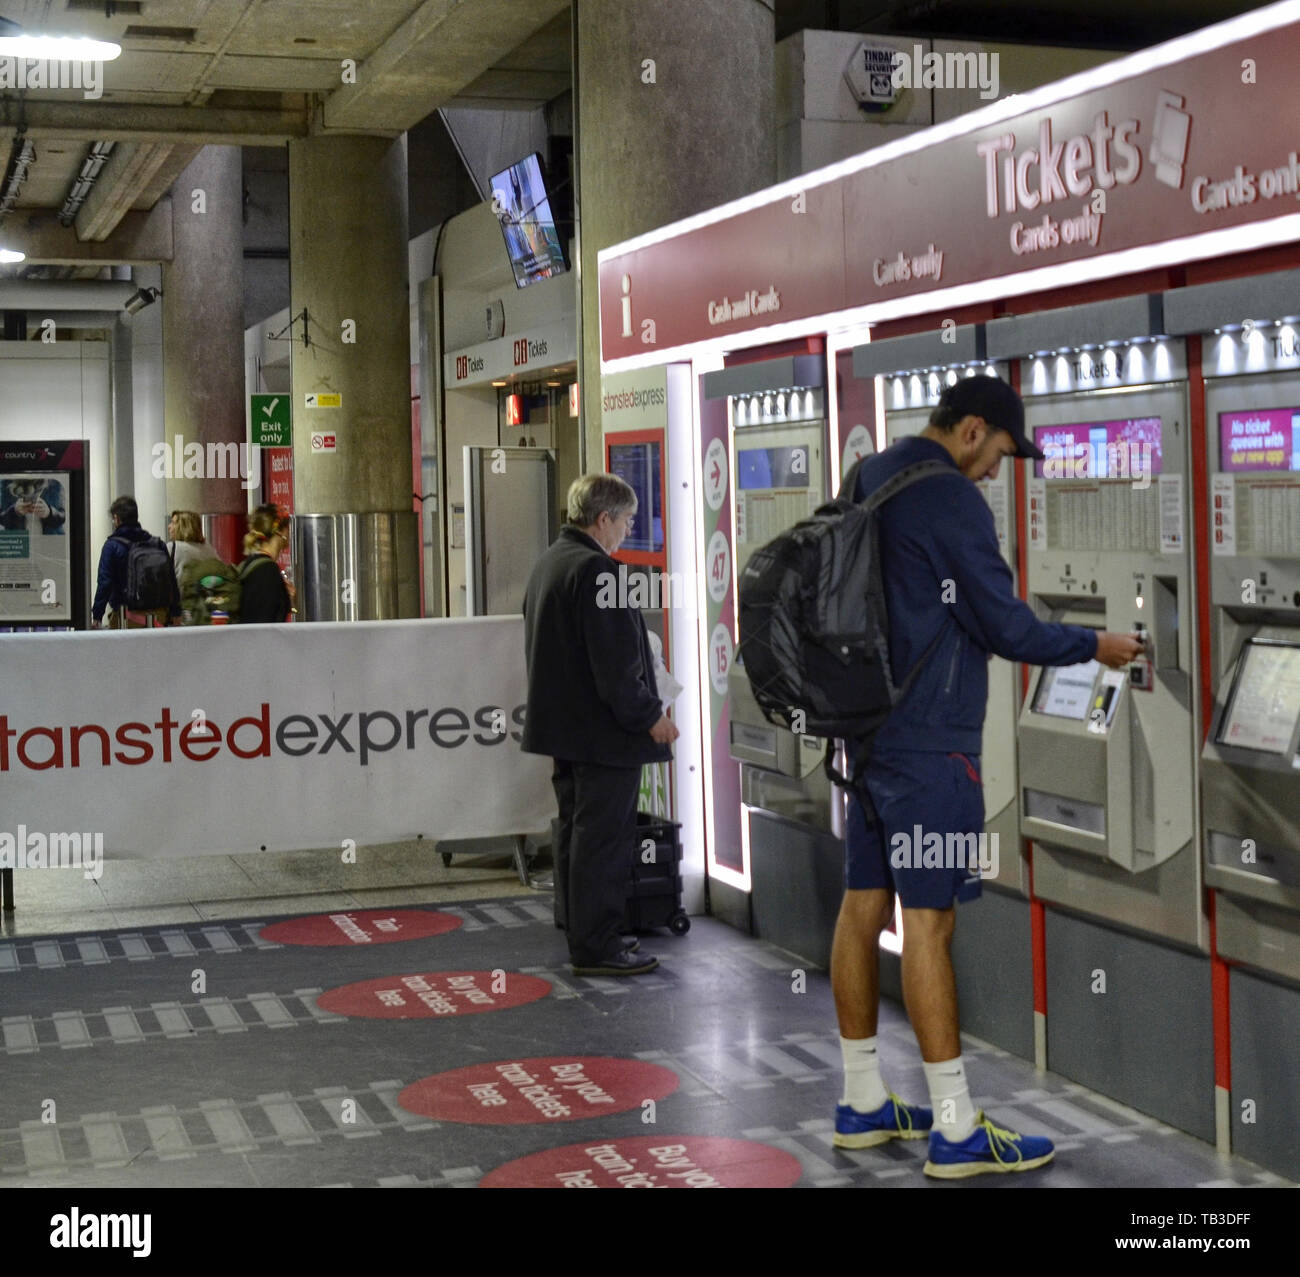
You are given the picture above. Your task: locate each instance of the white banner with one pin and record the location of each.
(180, 742)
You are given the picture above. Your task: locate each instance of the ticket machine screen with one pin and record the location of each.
(1264, 707)
(1100, 449)
(1065, 691)
(1259, 439)
(772, 468)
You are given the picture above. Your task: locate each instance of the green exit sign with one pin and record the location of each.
(271, 421)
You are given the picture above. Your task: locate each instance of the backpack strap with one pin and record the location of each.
(903, 479)
(246, 570)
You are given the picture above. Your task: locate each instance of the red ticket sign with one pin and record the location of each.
(563, 1088)
(361, 926)
(427, 994)
(652, 1161)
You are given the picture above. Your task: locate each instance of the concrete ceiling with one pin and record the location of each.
(249, 73)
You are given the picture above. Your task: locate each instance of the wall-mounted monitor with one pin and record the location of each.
(640, 465)
(1264, 705)
(520, 202)
(1065, 691)
(1259, 439)
(1127, 449)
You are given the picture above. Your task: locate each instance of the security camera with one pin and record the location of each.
(139, 299)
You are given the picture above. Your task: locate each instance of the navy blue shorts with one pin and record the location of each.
(925, 839)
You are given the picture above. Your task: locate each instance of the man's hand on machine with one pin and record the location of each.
(1118, 650)
(664, 732)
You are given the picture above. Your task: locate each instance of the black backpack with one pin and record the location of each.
(814, 626)
(150, 577)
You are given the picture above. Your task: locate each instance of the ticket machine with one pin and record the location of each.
(779, 459)
(910, 373)
(1250, 764)
(1108, 758)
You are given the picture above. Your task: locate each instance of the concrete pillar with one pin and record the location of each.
(674, 115)
(356, 536)
(140, 425)
(203, 344)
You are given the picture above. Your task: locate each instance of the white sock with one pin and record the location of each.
(954, 1114)
(864, 1088)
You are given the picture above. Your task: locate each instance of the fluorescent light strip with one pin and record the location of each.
(1174, 252)
(1219, 36)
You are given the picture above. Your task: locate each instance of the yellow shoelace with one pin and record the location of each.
(998, 1136)
(902, 1114)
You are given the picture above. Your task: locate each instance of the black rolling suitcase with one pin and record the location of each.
(654, 881)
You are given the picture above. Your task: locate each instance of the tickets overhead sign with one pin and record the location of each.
(522, 352)
(1158, 157)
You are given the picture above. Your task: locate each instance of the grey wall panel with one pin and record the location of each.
(1092, 324)
(1265, 1020)
(798, 880)
(1147, 1041)
(992, 954)
(919, 350)
(767, 374)
(1205, 307)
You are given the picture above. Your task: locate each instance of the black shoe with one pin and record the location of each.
(623, 963)
(630, 944)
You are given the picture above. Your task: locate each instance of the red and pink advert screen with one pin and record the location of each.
(1259, 439)
(1128, 449)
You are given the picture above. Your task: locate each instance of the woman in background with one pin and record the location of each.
(265, 596)
(185, 541)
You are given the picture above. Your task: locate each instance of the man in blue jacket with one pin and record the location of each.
(947, 585)
(110, 591)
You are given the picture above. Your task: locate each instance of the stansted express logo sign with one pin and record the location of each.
(194, 737)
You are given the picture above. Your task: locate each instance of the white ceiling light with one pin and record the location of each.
(8, 255)
(17, 43)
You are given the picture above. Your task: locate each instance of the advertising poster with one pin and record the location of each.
(35, 549)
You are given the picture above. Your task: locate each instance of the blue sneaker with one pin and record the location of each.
(893, 1120)
(990, 1150)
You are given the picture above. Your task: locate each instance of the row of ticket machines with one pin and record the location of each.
(1130, 808)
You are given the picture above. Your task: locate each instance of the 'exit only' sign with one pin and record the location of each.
(271, 420)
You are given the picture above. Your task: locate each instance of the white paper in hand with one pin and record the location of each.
(666, 685)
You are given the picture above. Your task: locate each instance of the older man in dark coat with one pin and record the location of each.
(593, 707)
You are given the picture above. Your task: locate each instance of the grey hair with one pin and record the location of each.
(591, 495)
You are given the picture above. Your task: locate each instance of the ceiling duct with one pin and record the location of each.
(95, 160)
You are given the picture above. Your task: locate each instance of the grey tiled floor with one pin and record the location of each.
(242, 1083)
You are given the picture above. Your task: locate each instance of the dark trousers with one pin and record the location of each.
(596, 835)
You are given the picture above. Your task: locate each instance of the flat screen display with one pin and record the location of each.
(640, 466)
(1265, 702)
(1127, 449)
(520, 202)
(1259, 439)
(1065, 691)
(772, 468)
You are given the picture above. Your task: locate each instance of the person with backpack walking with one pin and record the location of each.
(208, 585)
(951, 605)
(136, 579)
(265, 595)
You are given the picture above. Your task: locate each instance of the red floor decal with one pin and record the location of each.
(560, 1088)
(433, 993)
(652, 1161)
(361, 926)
